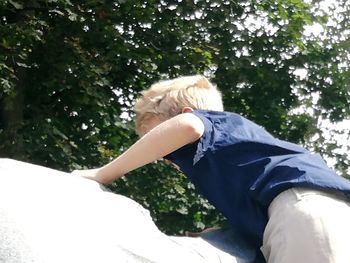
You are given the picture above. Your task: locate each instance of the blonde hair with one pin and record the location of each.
(166, 99)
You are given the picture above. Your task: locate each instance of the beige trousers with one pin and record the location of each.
(307, 226)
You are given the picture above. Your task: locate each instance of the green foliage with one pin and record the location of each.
(70, 69)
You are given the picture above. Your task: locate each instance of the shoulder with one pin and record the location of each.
(217, 114)
(220, 117)
(230, 128)
(191, 124)
(223, 121)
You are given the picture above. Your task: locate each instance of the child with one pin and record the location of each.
(279, 197)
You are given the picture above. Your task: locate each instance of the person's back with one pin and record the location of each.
(241, 168)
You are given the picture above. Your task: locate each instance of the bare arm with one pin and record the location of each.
(160, 141)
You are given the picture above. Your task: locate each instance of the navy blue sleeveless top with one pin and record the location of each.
(240, 168)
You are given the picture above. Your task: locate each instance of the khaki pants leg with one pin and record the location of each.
(307, 226)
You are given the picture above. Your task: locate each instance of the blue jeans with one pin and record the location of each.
(226, 240)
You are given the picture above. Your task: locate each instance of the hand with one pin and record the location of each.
(91, 174)
(198, 234)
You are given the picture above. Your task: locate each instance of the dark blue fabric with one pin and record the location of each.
(227, 240)
(239, 167)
